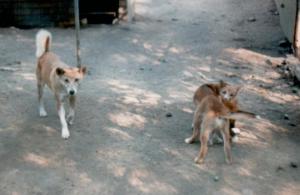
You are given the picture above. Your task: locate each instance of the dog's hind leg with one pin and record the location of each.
(71, 115)
(196, 127)
(226, 137)
(203, 148)
(40, 88)
(42, 110)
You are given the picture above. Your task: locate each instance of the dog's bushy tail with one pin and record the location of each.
(240, 114)
(43, 42)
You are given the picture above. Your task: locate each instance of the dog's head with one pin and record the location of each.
(70, 78)
(216, 87)
(229, 92)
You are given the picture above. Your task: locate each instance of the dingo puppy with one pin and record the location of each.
(208, 118)
(62, 80)
(231, 103)
(213, 114)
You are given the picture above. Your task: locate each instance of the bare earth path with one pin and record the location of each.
(122, 142)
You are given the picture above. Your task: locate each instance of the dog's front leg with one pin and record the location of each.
(71, 115)
(62, 116)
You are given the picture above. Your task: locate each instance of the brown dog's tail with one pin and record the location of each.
(43, 42)
(240, 114)
(248, 114)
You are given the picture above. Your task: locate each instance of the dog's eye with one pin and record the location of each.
(67, 80)
(223, 92)
(76, 80)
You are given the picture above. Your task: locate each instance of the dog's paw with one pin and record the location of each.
(236, 130)
(189, 140)
(218, 140)
(70, 119)
(235, 139)
(65, 134)
(198, 160)
(43, 113)
(228, 161)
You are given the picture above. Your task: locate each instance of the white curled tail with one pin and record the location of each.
(43, 42)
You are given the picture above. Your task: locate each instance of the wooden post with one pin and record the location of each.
(296, 43)
(130, 6)
(77, 29)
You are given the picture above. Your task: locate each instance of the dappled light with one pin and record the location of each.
(244, 172)
(37, 160)
(133, 95)
(117, 170)
(84, 179)
(289, 188)
(273, 96)
(187, 110)
(24, 39)
(50, 130)
(111, 153)
(246, 56)
(127, 119)
(147, 183)
(120, 134)
(28, 76)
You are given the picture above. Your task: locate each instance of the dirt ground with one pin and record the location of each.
(122, 142)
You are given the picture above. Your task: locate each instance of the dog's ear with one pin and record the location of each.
(238, 88)
(223, 84)
(60, 71)
(82, 70)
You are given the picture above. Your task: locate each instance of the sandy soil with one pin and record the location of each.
(122, 142)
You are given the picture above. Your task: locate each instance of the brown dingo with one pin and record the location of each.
(62, 80)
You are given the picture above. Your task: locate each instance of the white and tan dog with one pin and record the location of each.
(60, 78)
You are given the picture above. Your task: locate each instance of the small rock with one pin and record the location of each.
(283, 62)
(294, 90)
(84, 21)
(216, 178)
(269, 62)
(251, 19)
(158, 20)
(174, 19)
(274, 12)
(163, 60)
(142, 69)
(286, 117)
(279, 168)
(293, 165)
(169, 115)
(266, 86)
(293, 125)
(239, 39)
(231, 75)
